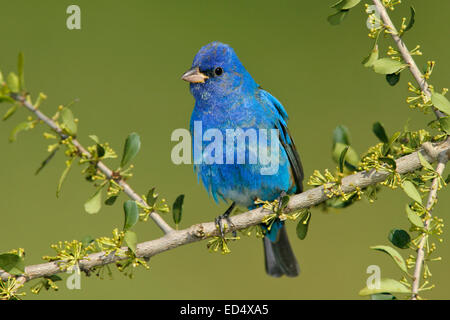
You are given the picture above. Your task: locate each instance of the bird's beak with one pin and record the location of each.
(194, 76)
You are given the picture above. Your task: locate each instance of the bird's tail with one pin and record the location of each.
(279, 257)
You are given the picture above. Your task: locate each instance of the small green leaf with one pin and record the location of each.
(130, 239)
(6, 99)
(94, 138)
(20, 70)
(424, 162)
(151, 197)
(351, 156)
(411, 191)
(10, 112)
(411, 19)
(345, 4)
(131, 214)
(337, 17)
(132, 146)
(382, 296)
(445, 124)
(379, 131)
(284, 202)
(94, 204)
(386, 286)
(23, 126)
(413, 217)
(398, 259)
(341, 135)
(393, 78)
(68, 121)
(440, 102)
(372, 57)
(177, 209)
(399, 238)
(342, 159)
(47, 160)
(13, 82)
(303, 224)
(63, 176)
(12, 263)
(389, 161)
(111, 200)
(388, 66)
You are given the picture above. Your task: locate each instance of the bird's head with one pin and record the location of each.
(217, 72)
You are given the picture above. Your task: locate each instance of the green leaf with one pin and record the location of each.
(345, 4)
(411, 191)
(393, 78)
(379, 131)
(47, 160)
(111, 200)
(20, 70)
(63, 176)
(151, 197)
(1, 79)
(399, 238)
(303, 224)
(10, 112)
(68, 121)
(387, 146)
(351, 156)
(130, 239)
(445, 124)
(6, 99)
(372, 57)
(131, 214)
(177, 209)
(389, 161)
(388, 66)
(342, 159)
(132, 146)
(12, 263)
(398, 259)
(337, 17)
(94, 204)
(411, 19)
(424, 162)
(413, 217)
(440, 102)
(382, 296)
(23, 126)
(386, 286)
(341, 135)
(13, 82)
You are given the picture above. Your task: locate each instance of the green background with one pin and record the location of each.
(125, 66)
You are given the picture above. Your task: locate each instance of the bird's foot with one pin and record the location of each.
(226, 217)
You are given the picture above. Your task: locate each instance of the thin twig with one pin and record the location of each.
(432, 197)
(100, 165)
(405, 53)
(203, 231)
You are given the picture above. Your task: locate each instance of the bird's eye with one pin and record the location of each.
(218, 71)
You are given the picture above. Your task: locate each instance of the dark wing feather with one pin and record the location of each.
(294, 158)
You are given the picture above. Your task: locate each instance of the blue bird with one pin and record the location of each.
(227, 98)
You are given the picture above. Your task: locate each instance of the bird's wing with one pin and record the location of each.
(286, 139)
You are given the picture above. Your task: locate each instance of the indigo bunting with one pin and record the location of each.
(228, 100)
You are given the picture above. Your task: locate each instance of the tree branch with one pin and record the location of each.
(203, 231)
(100, 165)
(405, 54)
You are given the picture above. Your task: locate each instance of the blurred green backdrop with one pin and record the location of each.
(125, 65)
